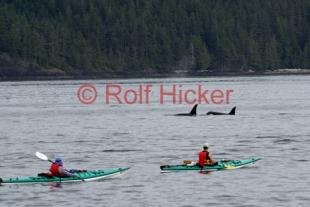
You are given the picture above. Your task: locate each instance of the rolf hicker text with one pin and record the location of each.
(146, 94)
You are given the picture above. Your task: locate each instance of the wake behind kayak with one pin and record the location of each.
(220, 165)
(91, 175)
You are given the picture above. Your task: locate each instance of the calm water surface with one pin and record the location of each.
(272, 121)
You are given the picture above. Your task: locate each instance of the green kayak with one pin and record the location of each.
(90, 175)
(220, 165)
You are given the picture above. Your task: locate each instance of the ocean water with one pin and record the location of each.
(272, 122)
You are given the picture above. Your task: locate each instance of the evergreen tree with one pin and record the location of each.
(85, 37)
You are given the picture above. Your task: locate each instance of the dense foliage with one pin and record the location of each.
(152, 36)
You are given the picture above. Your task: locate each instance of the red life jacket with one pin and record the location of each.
(204, 158)
(54, 169)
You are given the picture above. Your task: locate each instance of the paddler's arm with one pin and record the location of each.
(62, 171)
(211, 157)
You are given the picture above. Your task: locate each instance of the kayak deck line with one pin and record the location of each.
(91, 175)
(220, 165)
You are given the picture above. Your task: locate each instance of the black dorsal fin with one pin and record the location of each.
(233, 111)
(194, 110)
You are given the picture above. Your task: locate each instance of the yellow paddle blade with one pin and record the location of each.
(186, 162)
(229, 167)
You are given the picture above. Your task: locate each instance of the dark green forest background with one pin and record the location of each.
(149, 37)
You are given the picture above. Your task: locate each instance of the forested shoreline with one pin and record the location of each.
(127, 38)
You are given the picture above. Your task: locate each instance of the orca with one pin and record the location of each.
(192, 113)
(232, 112)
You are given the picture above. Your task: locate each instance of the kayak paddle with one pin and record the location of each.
(45, 158)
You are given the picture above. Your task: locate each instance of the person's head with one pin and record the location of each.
(58, 161)
(205, 146)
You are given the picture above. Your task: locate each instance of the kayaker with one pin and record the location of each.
(57, 169)
(204, 157)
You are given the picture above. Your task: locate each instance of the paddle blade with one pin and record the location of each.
(41, 156)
